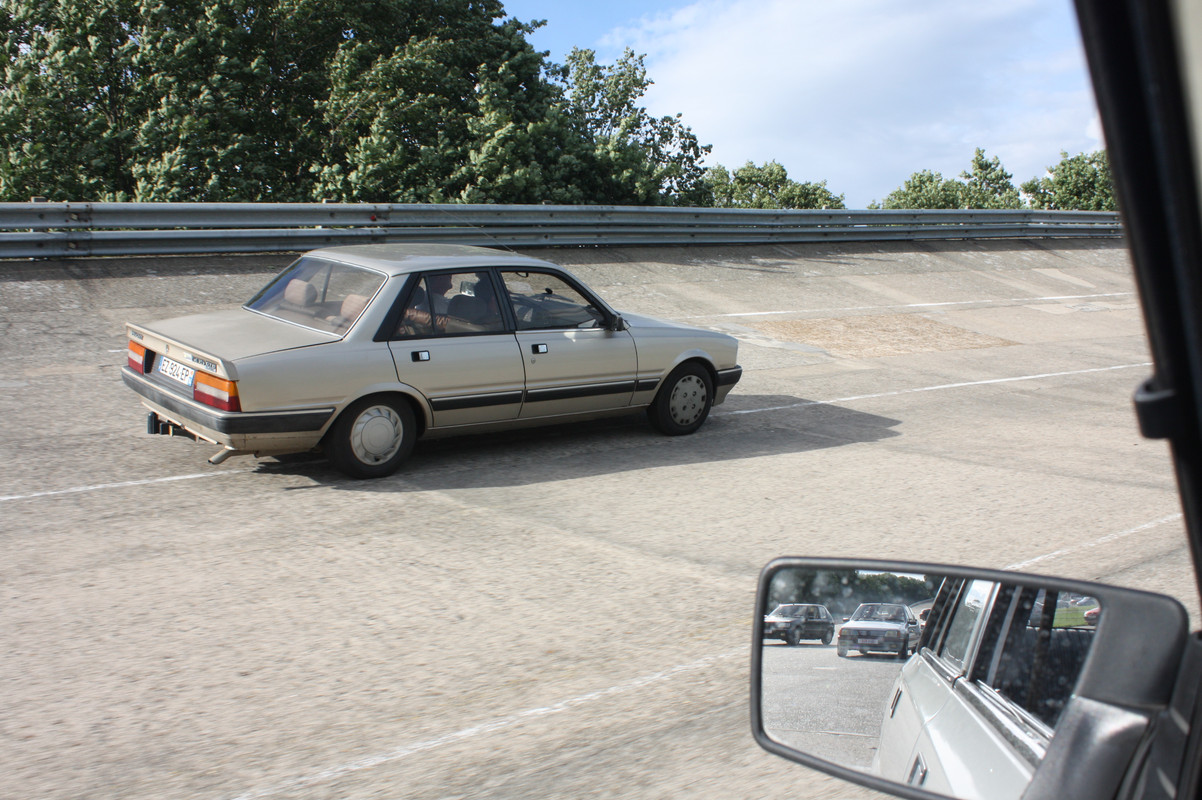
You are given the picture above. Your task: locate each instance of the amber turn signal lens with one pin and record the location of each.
(137, 357)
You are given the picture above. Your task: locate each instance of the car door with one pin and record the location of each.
(574, 362)
(814, 624)
(451, 343)
(913, 628)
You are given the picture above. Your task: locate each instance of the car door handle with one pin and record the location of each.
(918, 772)
(538, 349)
(893, 706)
(420, 355)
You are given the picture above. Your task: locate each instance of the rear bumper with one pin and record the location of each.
(262, 432)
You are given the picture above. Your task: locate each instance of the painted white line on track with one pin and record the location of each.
(122, 485)
(1096, 542)
(987, 382)
(398, 753)
(910, 305)
(802, 404)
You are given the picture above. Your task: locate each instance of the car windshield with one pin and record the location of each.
(880, 612)
(789, 611)
(318, 293)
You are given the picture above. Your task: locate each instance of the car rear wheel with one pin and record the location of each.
(372, 437)
(684, 400)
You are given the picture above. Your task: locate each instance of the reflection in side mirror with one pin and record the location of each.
(938, 679)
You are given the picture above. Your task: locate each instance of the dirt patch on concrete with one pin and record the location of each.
(877, 336)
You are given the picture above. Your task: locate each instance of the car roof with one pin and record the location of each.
(401, 259)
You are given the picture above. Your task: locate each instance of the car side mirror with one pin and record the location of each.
(1018, 685)
(616, 323)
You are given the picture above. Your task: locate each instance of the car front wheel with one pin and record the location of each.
(827, 636)
(372, 437)
(905, 649)
(684, 400)
(842, 651)
(793, 637)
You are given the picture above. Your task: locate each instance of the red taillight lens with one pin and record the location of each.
(216, 392)
(137, 357)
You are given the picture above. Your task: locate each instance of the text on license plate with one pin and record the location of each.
(176, 371)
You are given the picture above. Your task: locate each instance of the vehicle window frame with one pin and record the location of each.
(964, 666)
(593, 300)
(277, 286)
(415, 280)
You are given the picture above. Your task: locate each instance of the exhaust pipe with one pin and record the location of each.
(222, 455)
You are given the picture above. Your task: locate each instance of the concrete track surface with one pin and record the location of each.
(559, 613)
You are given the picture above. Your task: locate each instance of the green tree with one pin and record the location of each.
(460, 114)
(926, 189)
(643, 159)
(767, 186)
(234, 88)
(986, 185)
(1078, 183)
(69, 99)
(293, 100)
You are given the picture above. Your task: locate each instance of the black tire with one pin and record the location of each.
(842, 651)
(905, 649)
(372, 437)
(827, 636)
(683, 401)
(793, 636)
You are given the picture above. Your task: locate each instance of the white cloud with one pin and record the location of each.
(862, 93)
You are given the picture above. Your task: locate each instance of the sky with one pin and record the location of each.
(859, 93)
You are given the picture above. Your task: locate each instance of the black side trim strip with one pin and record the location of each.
(569, 392)
(729, 377)
(228, 422)
(646, 384)
(475, 401)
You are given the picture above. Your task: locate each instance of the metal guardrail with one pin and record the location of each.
(72, 230)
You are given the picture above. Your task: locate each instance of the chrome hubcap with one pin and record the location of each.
(376, 435)
(688, 400)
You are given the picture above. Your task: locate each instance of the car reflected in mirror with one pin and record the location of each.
(965, 705)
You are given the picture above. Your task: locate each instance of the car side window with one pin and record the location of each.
(965, 621)
(1038, 646)
(541, 300)
(450, 303)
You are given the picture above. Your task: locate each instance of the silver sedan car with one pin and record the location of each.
(356, 351)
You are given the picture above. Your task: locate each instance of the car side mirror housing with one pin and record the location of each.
(1017, 686)
(616, 323)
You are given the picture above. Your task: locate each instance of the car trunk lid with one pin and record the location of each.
(212, 342)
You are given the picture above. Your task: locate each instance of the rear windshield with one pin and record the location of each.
(317, 293)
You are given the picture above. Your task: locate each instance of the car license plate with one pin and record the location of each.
(176, 371)
(870, 640)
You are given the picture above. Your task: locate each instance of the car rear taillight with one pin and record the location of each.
(137, 357)
(216, 392)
